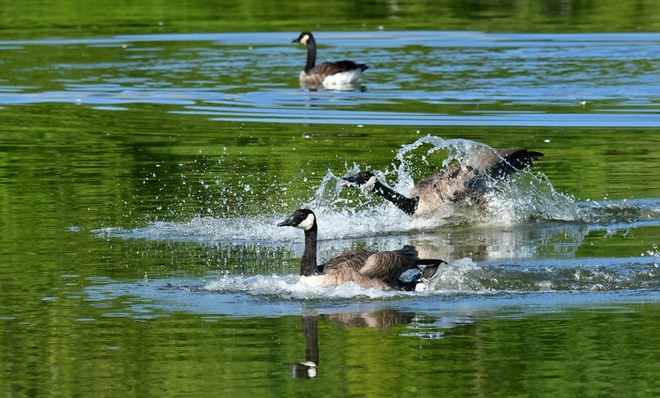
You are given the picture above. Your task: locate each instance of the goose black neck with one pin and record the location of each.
(311, 54)
(310, 325)
(408, 205)
(308, 265)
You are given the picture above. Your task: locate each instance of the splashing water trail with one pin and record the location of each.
(523, 196)
(351, 213)
(524, 216)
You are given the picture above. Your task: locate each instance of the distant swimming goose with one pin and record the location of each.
(380, 270)
(466, 180)
(327, 74)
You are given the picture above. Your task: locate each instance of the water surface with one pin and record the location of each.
(142, 178)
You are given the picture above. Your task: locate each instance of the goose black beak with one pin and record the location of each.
(348, 181)
(286, 223)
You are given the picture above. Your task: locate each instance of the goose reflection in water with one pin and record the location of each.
(383, 319)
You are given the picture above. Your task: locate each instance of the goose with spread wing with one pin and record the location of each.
(465, 181)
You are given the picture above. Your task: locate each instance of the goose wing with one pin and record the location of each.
(469, 178)
(330, 68)
(350, 65)
(344, 275)
(389, 265)
(494, 165)
(515, 159)
(353, 259)
(447, 184)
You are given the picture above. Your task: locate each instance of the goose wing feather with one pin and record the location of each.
(350, 65)
(389, 265)
(353, 259)
(469, 177)
(448, 184)
(311, 80)
(518, 158)
(330, 68)
(326, 69)
(344, 275)
(500, 162)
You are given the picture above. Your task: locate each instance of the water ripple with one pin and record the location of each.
(439, 78)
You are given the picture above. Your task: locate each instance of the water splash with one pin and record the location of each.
(654, 253)
(351, 214)
(524, 196)
(290, 287)
(528, 196)
(465, 276)
(618, 212)
(457, 279)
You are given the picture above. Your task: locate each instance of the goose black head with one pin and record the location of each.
(304, 38)
(304, 219)
(364, 179)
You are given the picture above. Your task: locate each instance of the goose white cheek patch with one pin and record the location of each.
(307, 223)
(370, 184)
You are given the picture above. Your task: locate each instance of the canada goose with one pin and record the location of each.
(466, 180)
(327, 74)
(380, 270)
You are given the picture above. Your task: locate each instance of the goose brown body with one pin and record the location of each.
(353, 259)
